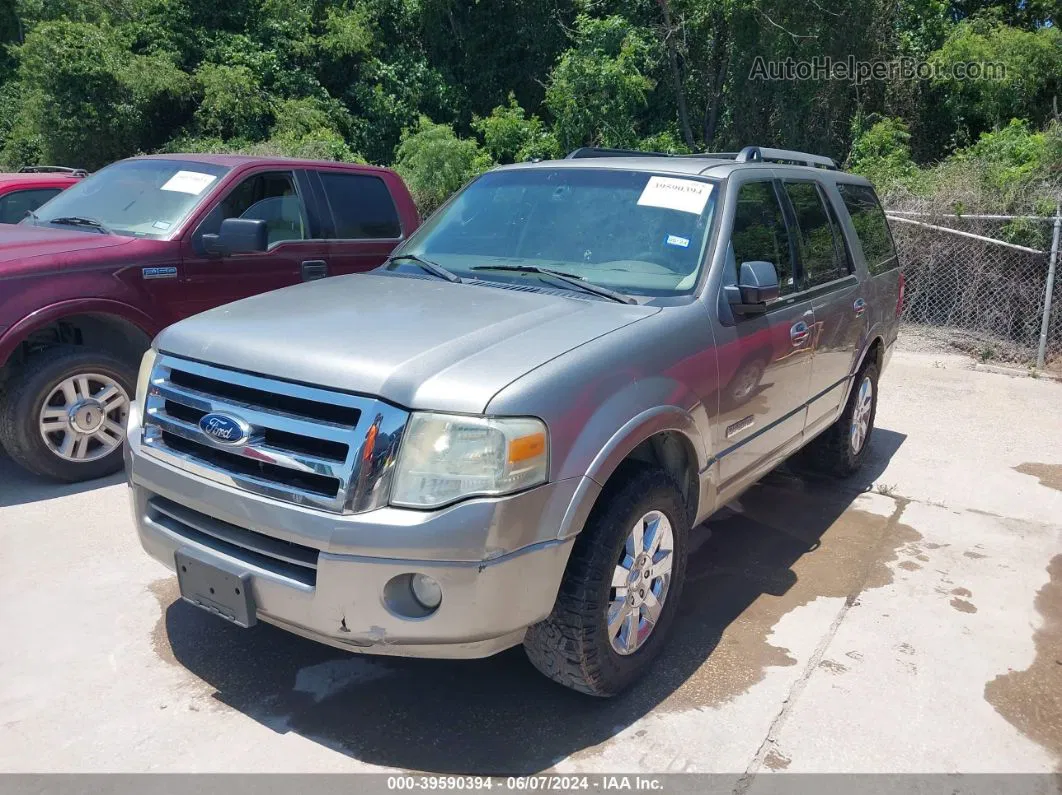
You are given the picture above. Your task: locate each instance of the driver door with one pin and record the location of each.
(279, 197)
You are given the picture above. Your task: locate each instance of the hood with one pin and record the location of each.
(19, 242)
(422, 344)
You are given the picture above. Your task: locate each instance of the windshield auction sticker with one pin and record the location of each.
(685, 195)
(192, 182)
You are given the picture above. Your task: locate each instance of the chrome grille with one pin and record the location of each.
(308, 446)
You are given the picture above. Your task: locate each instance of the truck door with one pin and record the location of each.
(297, 251)
(365, 227)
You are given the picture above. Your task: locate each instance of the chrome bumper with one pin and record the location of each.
(499, 561)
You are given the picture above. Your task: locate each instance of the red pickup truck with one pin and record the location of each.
(28, 189)
(89, 279)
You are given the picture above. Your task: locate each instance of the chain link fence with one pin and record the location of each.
(979, 283)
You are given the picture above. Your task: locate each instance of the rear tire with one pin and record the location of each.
(842, 448)
(67, 392)
(575, 645)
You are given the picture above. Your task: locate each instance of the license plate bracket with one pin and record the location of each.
(216, 587)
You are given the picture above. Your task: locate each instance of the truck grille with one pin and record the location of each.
(308, 446)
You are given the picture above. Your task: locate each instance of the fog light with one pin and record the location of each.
(426, 591)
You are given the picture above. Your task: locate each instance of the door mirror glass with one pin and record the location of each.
(239, 236)
(757, 286)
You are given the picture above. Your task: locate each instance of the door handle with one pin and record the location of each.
(314, 269)
(860, 306)
(799, 333)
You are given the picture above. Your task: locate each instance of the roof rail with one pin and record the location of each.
(761, 154)
(750, 154)
(600, 151)
(74, 172)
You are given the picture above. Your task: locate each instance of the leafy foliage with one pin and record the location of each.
(442, 89)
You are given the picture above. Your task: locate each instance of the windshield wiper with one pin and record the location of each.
(77, 220)
(433, 268)
(570, 279)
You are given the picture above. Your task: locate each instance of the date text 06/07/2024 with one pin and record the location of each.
(544, 783)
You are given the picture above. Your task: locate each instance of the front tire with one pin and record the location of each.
(621, 588)
(63, 414)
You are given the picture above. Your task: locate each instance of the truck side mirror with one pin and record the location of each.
(238, 236)
(757, 285)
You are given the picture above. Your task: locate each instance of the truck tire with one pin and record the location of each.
(600, 639)
(842, 448)
(63, 413)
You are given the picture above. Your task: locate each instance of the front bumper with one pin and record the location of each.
(499, 561)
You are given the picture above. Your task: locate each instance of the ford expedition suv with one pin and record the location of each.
(91, 276)
(505, 433)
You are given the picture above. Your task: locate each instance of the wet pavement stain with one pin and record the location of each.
(833, 667)
(909, 565)
(795, 540)
(963, 606)
(961, 592)
(1031, 700)
(776, 760)
(1050, 475)
(974, 555)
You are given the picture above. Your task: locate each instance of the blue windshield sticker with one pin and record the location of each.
(675, 240)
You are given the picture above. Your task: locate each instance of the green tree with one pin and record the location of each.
(435, 162)
(599, 88)
(509, 136)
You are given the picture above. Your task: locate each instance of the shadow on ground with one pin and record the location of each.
(499, 716)
(19, 487)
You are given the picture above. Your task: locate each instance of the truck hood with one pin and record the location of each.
(422, 344)
(19, 242)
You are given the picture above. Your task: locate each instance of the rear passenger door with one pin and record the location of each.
(835, 295)
(364, 223)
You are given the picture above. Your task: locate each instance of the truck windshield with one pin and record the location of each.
(633, 232)
(140, 198)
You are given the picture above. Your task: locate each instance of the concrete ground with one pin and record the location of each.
(909, 621)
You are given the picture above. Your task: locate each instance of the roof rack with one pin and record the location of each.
(74, 172)
(750, 154)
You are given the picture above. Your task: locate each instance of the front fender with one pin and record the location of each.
(619, 425)
(17, 333)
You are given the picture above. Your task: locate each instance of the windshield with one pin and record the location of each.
(631, 231)
(139, 198)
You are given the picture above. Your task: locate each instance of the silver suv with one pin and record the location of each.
(505, 433)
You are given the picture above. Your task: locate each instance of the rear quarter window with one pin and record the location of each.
(871, 226)
(361, 206)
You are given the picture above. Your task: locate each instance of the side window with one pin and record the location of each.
(15, 205)
(869, 221)
(361, 206)
(760, 232)
(822, 259)
(270, 197)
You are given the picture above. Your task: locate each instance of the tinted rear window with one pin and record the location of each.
(869, 221)
(361, 205)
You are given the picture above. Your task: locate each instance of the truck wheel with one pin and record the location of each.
(63, 413)
(621, 588)
(841, 449)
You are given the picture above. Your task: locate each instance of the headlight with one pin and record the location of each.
(146, 364)
(446, 457)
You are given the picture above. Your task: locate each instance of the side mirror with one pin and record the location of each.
(238, 236)
(757, 285)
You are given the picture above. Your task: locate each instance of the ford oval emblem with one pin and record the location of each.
(224, 429)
